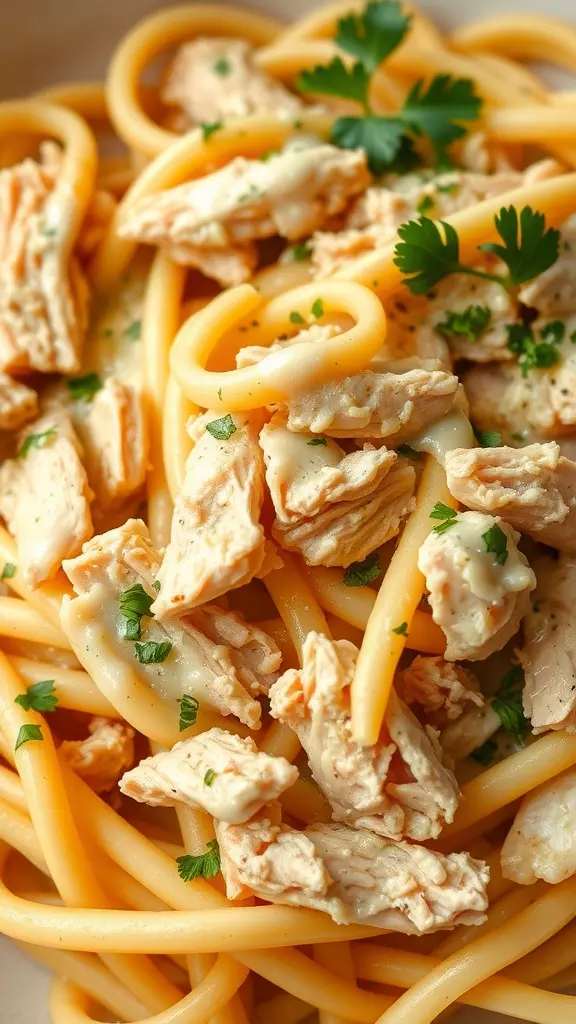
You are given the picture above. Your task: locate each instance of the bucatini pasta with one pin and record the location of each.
(288, 478)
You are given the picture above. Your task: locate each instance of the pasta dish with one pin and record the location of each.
(288, 493)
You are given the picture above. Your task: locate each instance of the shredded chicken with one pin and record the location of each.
(103, 757)
(356, 877)
(222, 774)
(321, 333)
(456, 294)
(211, 80)
(442, 689)
(43, 294)
(542, 840)
(553, 293)
(349, 530)
(18, 403)
(45, 497)
(549, 652)
(375, 404)
(216, 541)
(533, 488)
(477, 600)
(398, 787)
(215, 656)
(212, 222)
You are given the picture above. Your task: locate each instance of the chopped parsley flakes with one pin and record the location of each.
(151, 653)
(189, 707)
(296, 318)
(445, 515)
(360, 574)
(317, 309)
(27, 733)
(401, 630)
(301, 251)
(208, 129)
(206, 865)
(36, 441)
(317, 441)
(134, 604)
(489, 438)
(495, 542)
(222, 67)
(209, 777)
(532, 354)
(8, 571)
(467, 323)
(508, 704)
(38, 697)
(222, 429)
(134, 331)
(84, 387)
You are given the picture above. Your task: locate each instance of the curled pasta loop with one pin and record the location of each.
(87, 99)
(154, 35)
(280, 374)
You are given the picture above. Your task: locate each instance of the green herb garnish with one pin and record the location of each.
(445, 514)
(360, 574)
(467, 323)
(222, 429)
(84, 387)
(189, 708)
(151, 653)
(8, 571)
(27, 733)
(36, 441)
(38, 697)
(206, 865)
(495, 542)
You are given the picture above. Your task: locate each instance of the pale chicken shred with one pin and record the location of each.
(549, 652)
(103, 757)
(211, 80)
(477, 602)
(45, 497)
(353, 875)
(553, 293)
(374, 405)
(18, 403)
(456, 294)
(542, 840)
(398, 787)
(216, 540)
(532, 488)
(440, 688)
(215, 656)
(252, 354)
(213, 222)
(222, 774)
(43, 293)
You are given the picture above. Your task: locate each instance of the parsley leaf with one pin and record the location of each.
(156, 586)
(222, 429)
(425, 205)
(8, 571)
(489, 438)
(379, 136)
(209, 777)
(316, 441)
(532, 354)
(27, 733)
(133, 331)
(38, 697)
(189, 707)
(335, 79)
(206, 865)
(374, 33)
(359, 574)
(435, 110)
(553, 332)
(402, 629)
(36, 441)
(508, 704)
(317, 309)
(151, 653)
(208, 128)
(301, 251)
(424, 253)
(222, 67)
(296, 318)
(466, 323)
(495, 542)
(486, 753)
(445, 514)
(529, 253)
(84, 387)
(134, 603)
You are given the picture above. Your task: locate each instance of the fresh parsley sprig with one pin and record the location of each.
(445, 515)
(38, 697)
(134, 604)
(508, 704)
(433, 110)
(360, 574)
(426, 255)
(206, 865)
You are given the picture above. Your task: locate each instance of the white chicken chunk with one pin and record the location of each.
(553, 293)
(43, 293)
(216, 540)
(350, 529)
(353, 875)
(222, 774)
(440, 688)
(18, 403)
(375, 405)
(549, 652)
(479, 584)
(252, 354)
(212, 654)
(471, 315)
(213, 222)
(399, 787)
(542, 840)
(211, 80)
(376, 216)
(103, 757)
(532, 488)
(45, 497)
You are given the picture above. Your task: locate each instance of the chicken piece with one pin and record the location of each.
(537, 405)
(542, 840)
(548, 656)
(396, 788)
(443, 690)
(43, 293)
(222, 774)
(375, 404)
(478, 596)
(349, 530)
(215, 656)
(553, 293)
(216, 540)
(376, 216)
(212, 222)
(252, 354)
(532, 488)
(104, 756)
(113, 431)
(211, 80)
(479, 337)
(356, 877)
(45, 497)
(18, 403)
